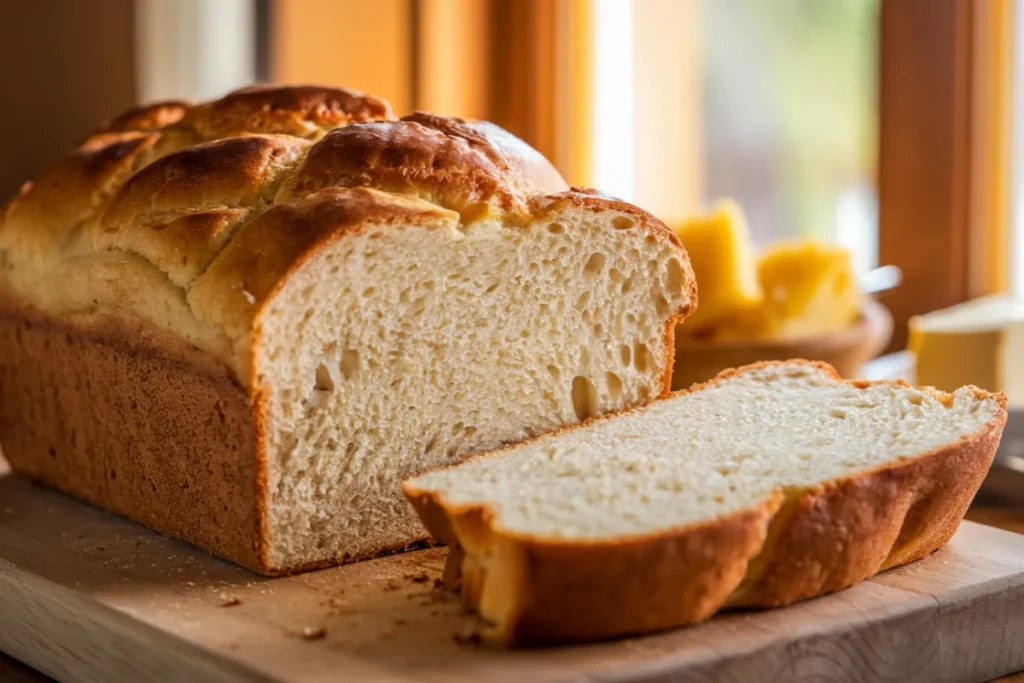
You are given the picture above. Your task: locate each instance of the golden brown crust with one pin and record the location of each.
(540, 590)
(445, 160)
(41, 219)
(234, 172)
(182, 247)
(148, 117)
(180, 225)
(305, 111)
(535, 591)
(132, 419)
(525, 169)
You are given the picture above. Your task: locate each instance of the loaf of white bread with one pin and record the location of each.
(244, 322)
(767, 485)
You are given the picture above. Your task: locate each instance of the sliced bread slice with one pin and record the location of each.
(769, 484)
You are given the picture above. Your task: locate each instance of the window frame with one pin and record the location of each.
(945, 91)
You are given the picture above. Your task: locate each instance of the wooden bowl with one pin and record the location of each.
(846, 350)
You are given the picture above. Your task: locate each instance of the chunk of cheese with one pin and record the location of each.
(810, 289)
(980, 342)
(723, 262)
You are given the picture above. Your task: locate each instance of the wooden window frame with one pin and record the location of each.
(945, 98)
(446, 56)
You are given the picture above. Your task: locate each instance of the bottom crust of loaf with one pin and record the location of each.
(125, 419)
(797, 545)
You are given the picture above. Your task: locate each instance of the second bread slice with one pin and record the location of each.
(770, 484)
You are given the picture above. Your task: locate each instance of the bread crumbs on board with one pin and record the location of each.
(313, 633)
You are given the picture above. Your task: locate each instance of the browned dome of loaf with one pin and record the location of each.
(172, 183)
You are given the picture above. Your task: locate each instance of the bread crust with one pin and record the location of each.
(180, 222)
(793, 546)
(129, 418)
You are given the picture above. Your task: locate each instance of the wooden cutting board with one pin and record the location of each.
(87, 596)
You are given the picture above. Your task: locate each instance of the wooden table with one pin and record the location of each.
(53, 506)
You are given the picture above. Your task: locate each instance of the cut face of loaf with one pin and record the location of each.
(770, 484)
(404, 347)
(243, 322)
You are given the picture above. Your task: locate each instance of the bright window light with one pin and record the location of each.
(613, 91)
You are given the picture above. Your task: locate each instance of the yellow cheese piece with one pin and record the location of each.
(810, 289)
(723, 262)
(980, 342)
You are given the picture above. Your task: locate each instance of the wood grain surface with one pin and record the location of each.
(87, 596)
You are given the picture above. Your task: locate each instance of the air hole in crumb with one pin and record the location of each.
(651, 239)
(369, 291)
(628, 284)
(584, 397)
(615, 274)
(674, 278)
(626, 354)
(614, 383)
(622, 223)
(550, 452)
(916, 399)
(594, 265)
(582, 301)
(556, 228)
(839, 414)
(491, 288)
(555, 372)
(661, 303)
(724, 470)
(349, 363)
(642, 357)
(432, 444)
(324, 381)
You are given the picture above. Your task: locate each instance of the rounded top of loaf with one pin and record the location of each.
(455, 163)
(167, 188)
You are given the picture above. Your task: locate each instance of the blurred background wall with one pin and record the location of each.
(67, 66)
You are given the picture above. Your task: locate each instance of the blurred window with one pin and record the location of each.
(790, 116)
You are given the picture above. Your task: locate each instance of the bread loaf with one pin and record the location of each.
(767, 485)
(243, 322)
